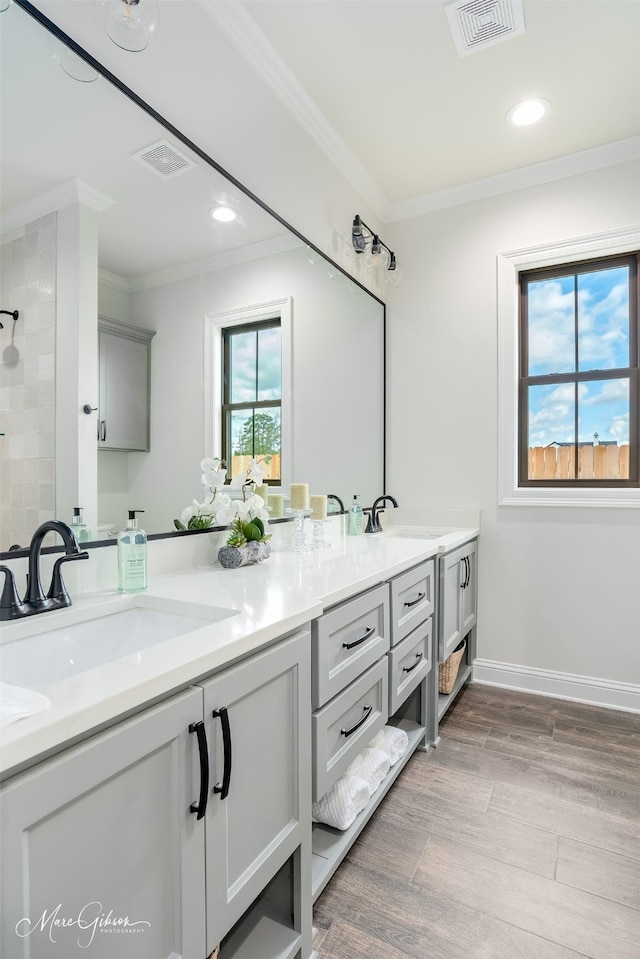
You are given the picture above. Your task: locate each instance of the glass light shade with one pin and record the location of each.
(526, 112)
(74, 66)
(131, 23)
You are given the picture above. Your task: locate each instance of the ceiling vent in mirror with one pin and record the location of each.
(164, 159)
(476, 24)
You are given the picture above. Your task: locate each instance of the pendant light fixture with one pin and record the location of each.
(131, 23)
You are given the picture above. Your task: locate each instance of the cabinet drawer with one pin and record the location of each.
(343, 727)
(346, 641)
(412, 600)
(409, 663)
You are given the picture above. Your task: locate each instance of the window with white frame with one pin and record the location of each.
(248, 387)
(568, 367)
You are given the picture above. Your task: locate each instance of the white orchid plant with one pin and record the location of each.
(217, 507)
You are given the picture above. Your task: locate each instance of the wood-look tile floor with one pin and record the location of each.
(517, 838)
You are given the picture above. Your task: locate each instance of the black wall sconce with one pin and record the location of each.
(363, 238)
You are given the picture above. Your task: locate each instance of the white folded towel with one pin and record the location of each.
(392, 741)
(342, 803)
(18, 703)
(372, 765)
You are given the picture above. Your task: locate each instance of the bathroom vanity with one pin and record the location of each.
(165, 797)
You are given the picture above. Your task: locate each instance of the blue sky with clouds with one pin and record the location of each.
(603, 344)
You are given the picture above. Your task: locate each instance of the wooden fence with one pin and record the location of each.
(241, 463)
(594, 462)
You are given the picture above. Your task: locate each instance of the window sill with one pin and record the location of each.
(587, 498)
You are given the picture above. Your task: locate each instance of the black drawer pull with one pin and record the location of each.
(201, 806)
(367, 712)
(223, 788)
(408, 669)
(416, 600)
(369, 631)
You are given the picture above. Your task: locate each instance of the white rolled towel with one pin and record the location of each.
(372, 765)
(392, 741)
(16, 702)
(342, 803)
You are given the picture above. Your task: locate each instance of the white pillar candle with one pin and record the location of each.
(318, 507)
(262, 491)
(299, 496)
(276, 505)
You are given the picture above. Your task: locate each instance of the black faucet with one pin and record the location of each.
(35, 601)
(373, 522)
(337, 499)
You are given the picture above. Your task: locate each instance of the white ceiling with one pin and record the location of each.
(419, 119)
(377, 83)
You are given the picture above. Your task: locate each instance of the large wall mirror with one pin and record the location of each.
(91, 229)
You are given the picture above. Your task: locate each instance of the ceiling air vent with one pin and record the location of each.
(164, 159)
(476, 24)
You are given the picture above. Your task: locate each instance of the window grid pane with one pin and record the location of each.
(251, 408)
(579, 386)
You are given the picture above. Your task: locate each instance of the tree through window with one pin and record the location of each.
(252, 397)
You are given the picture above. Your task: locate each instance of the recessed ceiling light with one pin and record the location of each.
(224, 214)
(526, 112)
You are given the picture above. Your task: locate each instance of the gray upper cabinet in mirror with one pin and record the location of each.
(89, 229)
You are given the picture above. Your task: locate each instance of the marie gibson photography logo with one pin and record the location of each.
(90, 920)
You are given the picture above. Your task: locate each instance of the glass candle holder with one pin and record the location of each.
(298, 541)
(317, 534)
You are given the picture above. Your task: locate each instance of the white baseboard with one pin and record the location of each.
(545, 682)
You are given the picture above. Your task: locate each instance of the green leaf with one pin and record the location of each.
(253, 532)
(258, 522)
(179, 526)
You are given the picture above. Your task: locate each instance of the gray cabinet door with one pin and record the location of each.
(253, 829)
(101, 854)
(124, 374)
(458, 597)
(469, 594)
(452, 572)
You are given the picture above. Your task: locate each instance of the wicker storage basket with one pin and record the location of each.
(448, 671)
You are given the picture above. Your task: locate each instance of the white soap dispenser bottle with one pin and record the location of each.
(132, 556)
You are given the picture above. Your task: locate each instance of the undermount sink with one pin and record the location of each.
(51, 655)
(416, 532)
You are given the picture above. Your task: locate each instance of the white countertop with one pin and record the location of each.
(271, 599)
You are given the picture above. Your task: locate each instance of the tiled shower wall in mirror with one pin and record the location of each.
(27, 380)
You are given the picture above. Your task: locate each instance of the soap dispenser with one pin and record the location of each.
(82, 533)
(132, 556)
(354, 517)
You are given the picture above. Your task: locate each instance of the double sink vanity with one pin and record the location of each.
(165, 796)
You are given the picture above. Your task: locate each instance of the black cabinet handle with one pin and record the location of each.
(103, 430)
(226, 746)
(468, 576)
(367, 712)
(464, 572)
(369, 631)
(408, 669)
(201, 806)
(416, 600)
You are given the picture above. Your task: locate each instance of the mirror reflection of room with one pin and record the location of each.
(125, 282)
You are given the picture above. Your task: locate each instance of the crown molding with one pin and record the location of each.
(220, 261)
(72, 191)
(242, 30)
(536, 174)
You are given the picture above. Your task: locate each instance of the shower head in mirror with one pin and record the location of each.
(131, 23)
